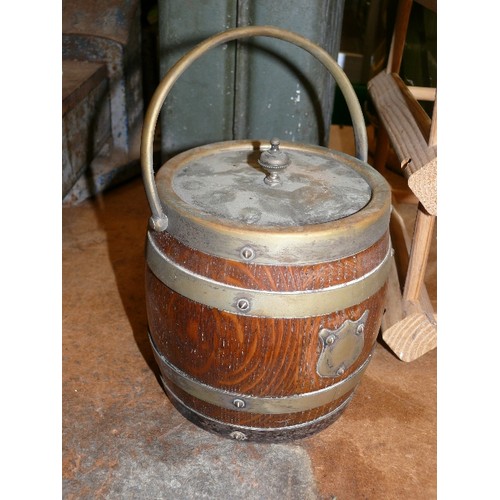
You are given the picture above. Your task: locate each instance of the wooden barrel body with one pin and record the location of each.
(250, 347)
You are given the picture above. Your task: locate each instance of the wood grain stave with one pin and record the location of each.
(263, 357)
(275, 357)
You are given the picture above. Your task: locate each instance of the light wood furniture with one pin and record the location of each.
(409, 325)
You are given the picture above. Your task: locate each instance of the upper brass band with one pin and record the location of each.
(263, 303)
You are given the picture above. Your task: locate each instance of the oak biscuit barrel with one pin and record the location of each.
(266, 272)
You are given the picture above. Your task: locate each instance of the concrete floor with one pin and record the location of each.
(123, 439)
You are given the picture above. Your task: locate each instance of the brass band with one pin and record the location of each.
(253, 404)
(246, 428)
(262, 303)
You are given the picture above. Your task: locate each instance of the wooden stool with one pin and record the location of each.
(409, 326)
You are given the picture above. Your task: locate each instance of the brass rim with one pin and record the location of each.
(307, 244)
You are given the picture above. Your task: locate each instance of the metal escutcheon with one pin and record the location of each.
(341, 347)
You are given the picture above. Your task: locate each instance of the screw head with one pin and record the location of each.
(239, 403)
(247, 253)
(243, 304)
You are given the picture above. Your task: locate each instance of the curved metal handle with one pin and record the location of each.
(159, 220)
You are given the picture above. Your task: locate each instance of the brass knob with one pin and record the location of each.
(273, 161)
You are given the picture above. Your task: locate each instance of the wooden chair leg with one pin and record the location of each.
(409, 328)
(421, 244)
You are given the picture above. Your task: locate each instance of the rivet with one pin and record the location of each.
(340, 371)
(330, 340)
(360, 329)
(239, 436)
(247, 253)
(239, 403)
(158, 224)
(243, 304)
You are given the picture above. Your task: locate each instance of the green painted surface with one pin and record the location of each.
(254, 89)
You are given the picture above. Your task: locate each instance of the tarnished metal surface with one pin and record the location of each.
(273, 161)
(263, 303)
(253, 404)
(341, 347)
(314, 189)
(307, 244)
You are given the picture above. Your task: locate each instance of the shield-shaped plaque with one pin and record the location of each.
(341, 347)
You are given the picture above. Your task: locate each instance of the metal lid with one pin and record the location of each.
(326, 204)
(232, 185)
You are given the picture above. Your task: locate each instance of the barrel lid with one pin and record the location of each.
(224, 199)
(233, 185)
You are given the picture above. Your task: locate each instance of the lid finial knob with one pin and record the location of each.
(273, 161)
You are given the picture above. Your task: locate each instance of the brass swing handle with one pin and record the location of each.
(159, 220)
